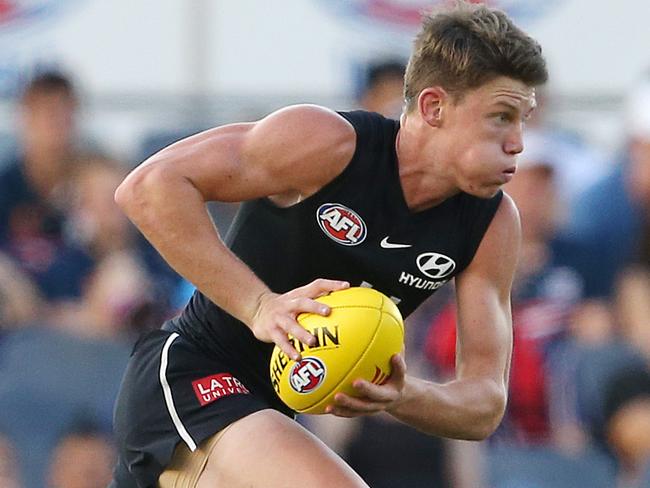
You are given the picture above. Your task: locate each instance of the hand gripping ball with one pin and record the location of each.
(356, 340)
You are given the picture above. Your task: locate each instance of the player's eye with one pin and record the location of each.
(505, 117)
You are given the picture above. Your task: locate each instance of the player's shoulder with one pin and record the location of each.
(497, 251)
(364, 121)
(305, 146)
(506, 220)
(508, 212)
(506, 224)
(309, 119)
(312, 131)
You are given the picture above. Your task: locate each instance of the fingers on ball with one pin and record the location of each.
(311, 306)
(322, 286)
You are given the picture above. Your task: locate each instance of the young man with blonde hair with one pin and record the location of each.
(417, 202)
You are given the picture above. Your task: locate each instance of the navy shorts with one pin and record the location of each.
(172, 392)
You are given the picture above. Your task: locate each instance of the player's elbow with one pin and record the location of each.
(486, 427)
(131, 190)
(136, 193)
(489, 417)
(123, 194)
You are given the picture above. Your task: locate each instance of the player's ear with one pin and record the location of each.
(430, 104)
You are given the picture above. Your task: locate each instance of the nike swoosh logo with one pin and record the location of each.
(391, 245)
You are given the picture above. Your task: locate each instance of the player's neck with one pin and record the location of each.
(425, 179)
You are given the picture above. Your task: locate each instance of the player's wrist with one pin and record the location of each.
(258, 303)
(408, 393)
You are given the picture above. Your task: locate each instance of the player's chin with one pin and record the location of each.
(486, 191)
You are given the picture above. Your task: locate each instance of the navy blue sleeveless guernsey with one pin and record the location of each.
(356, 228)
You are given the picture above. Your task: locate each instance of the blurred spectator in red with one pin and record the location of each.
(83, 458)
(383, 88)
(34, 188)
(611, 229)
(609, 220)
(545, 293)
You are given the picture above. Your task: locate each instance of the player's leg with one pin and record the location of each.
(268, 450)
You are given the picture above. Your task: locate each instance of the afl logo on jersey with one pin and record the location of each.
(434, 265)
(341, 224)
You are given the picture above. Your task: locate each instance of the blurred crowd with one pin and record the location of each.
(78, 285)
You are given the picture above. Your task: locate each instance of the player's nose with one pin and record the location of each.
(514, 144)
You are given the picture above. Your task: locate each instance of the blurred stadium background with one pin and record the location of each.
(77, 285)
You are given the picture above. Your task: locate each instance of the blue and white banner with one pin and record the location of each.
(406, 14)
(18, 13)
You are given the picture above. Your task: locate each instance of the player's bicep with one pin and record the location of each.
(212, 162)
(290, 150)
(483, 294)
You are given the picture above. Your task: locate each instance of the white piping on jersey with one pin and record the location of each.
(169, 401)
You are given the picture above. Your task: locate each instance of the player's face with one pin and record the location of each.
(49, 120)
(484, 134)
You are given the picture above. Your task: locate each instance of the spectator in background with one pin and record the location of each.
(633, 306)
(34, 188)
(582, 366)
(609, 219)
(627, 426)
(83, 458)
(582, 164)
(50, 379)
(96, 225)
(20, 301)
(383, 88)
(609, 231)
(93, 219)
(118, 303)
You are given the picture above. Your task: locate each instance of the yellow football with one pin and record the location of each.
(356, 340)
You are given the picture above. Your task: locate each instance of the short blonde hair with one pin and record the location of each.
(466, 46)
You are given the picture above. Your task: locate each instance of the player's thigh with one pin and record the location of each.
(268, 450)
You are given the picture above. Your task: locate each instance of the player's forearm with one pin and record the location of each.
(172, 215)
(469, 409)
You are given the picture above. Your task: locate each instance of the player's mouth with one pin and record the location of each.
(508, 174)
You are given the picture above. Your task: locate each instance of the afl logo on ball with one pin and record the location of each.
(341, 224)
(435, 265)
(307, 374)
